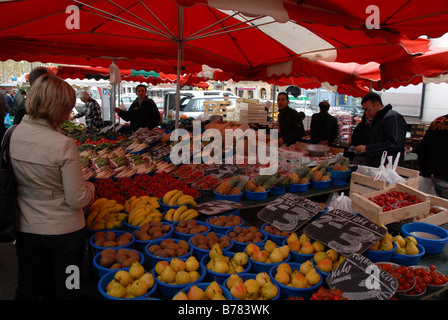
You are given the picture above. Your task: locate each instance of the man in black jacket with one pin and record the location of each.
(289, 121)
(432, 153)
(387, 131)
(142, 113)
(324, 127)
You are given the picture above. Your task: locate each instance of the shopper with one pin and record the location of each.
(143, 112)
(387, 131)
(4, 109)
(51, 194)
(289, 122)
(360, 136)
(324, 127)
(20, 110)
(431, 152)
(91, 111)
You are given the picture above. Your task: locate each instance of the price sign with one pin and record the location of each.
(218, 206)
(289, 212)
(345, 232)
(360, 279)
(222, 171)
(160, 153)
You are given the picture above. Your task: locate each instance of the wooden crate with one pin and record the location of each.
(439, 216)
(367, 208)
(362, 184)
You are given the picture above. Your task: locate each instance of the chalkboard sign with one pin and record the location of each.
(289, 212)
(222, 171)
(360, 279)
(218, 206)
(345, 232)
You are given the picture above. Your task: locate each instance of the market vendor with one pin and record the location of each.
(290, 123)
(142, 113)
(91, 111)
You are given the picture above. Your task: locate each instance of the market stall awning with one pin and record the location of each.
(380, 18)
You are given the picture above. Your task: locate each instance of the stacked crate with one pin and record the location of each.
(216, 108)
(248, 111)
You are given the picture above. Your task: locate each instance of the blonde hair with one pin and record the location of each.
(50, 98)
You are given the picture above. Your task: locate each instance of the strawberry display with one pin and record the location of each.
(394, 200)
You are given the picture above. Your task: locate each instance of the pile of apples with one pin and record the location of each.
(178, 271)
(327, 261)
(220, 263)
(270, 254)
(306, 276)
(212, 292)
(130, 284)
(260, 288)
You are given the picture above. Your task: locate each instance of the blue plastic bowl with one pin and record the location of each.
(293, 187)
(185, 236)
(235, 212)
(245, 276)
(378, 255)
(141, 244)
(241, 246)
(235, 198)
(408, 260)
(153, 259)
(219, 229)
(258, 267)
(129, 227)
(221, 277)
(320, 184)
(300, 257)
(338, 182)
(166, 207)
(108, 277)
(278, 240)
(252, 195)
(204, 285)
(199, 253)
(102, 270)
(339, 174)
(170, 290)
(287, 291)
(277, 191)
(97, 249)
(437, 236)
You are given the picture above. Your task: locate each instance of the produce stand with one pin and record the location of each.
(249, 209)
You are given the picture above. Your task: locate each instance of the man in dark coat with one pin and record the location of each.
(142, 113)
(387, 131)
(289, 121)
(324, 127)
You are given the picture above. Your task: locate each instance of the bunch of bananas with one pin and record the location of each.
(181, 213)
(178, 198)
(105, 214)
(142, 210)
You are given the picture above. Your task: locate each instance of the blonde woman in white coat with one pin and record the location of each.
(51, 194)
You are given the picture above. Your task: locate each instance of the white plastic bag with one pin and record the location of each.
(384, 172)
(342, 202)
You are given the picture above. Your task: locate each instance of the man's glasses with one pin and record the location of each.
(368, 108)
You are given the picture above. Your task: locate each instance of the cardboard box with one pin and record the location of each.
(362, 184)
(370, 210)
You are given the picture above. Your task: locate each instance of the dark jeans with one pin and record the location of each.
(42, 265)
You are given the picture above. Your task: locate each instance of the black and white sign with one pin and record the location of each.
(345, 232)
(160, 153)
(218, 206)
(360, 279)
(289, 212)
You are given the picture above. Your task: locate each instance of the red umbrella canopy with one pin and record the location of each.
(430, 67)
(379, 18)
(146, 35)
